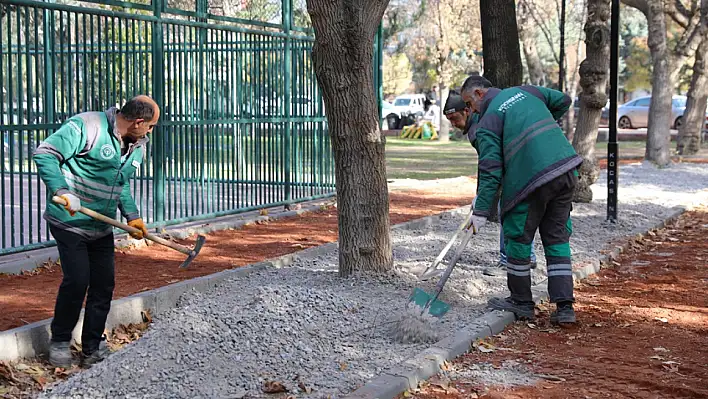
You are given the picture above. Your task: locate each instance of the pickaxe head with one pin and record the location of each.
(197, 247)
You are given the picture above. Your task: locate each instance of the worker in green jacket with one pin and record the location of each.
(89, 162)
(523, 150)
(462, 118)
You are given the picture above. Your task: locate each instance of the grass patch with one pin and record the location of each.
(428, 160)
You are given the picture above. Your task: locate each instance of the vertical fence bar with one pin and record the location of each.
(3, 122)
(287, 73)
(158, 84)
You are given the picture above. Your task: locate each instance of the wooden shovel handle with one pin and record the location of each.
(129, 229)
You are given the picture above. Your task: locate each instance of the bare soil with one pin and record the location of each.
(642, 331)
(30, 297)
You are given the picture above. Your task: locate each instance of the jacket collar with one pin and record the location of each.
(488, 97)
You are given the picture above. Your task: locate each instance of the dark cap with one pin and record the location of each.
(454, 103)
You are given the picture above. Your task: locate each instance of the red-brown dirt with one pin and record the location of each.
(642, 332)
(28, 298)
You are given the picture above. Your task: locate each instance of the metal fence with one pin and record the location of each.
(242, 123)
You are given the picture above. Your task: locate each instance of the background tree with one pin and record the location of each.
(594, 76)
(397, 73)
(527, 35)
(689, 139)
(343, 60)
(667, 62)
(500, 43)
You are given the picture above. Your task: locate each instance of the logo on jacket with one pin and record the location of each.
(108, 152)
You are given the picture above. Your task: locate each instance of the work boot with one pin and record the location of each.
(499, 269)
(60, 354)
(564, 313)
(89, 359)
(521, 310)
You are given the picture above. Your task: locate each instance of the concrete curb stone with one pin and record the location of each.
(418, 368)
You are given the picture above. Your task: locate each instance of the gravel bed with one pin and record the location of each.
(321, 336)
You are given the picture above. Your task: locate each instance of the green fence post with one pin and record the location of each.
(49, 87)
(287, 16)
(158, 88)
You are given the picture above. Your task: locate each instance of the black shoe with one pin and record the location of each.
(521, 310)
(96, 356)
(564, 314)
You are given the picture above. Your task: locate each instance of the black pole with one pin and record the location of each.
(561, 58)
(612, 156)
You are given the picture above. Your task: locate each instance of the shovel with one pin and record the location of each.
(191, 253)
(432, 270)
(430, 302)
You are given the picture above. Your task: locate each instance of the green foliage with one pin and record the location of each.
(638, 67)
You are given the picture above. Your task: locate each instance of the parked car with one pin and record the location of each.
(635, 114)
(407, 104)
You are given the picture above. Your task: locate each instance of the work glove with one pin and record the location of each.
(73, 203)
(140, 225)
(476, 223)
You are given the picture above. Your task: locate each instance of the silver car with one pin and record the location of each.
(635, 114)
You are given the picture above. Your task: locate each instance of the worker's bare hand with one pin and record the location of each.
(140, 225)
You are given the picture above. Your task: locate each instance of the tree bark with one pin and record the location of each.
(658, 133)
(594, 75)
(500, 43)
(528, 41)
(342, 56)
(694, 119)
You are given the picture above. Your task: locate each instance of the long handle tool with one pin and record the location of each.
(191, 253)
(430, 303)
(433, 270)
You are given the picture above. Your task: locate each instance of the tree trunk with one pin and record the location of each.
(594, 75)
(528, 41)
(500, 43)
(444, 133)
(342, 55)
(694, 119)
(573, 92)
(658, 133)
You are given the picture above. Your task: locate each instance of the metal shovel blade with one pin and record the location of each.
(436, 308)
(197, 247)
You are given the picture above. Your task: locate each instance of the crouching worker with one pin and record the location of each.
(460, 116)
(522, 148)
(89, 162)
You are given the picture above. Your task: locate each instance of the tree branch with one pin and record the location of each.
(640, 5)
(678, 13)
(546, 33)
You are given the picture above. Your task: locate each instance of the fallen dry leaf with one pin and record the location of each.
(304, 388)
(273, 387)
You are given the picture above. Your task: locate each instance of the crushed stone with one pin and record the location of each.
(510, 373)
(311, 331)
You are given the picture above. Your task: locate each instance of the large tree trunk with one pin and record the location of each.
(500, 43)
(528, 41)
(594, 75)
(342, 56)
(694, 119)
(658, 133)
